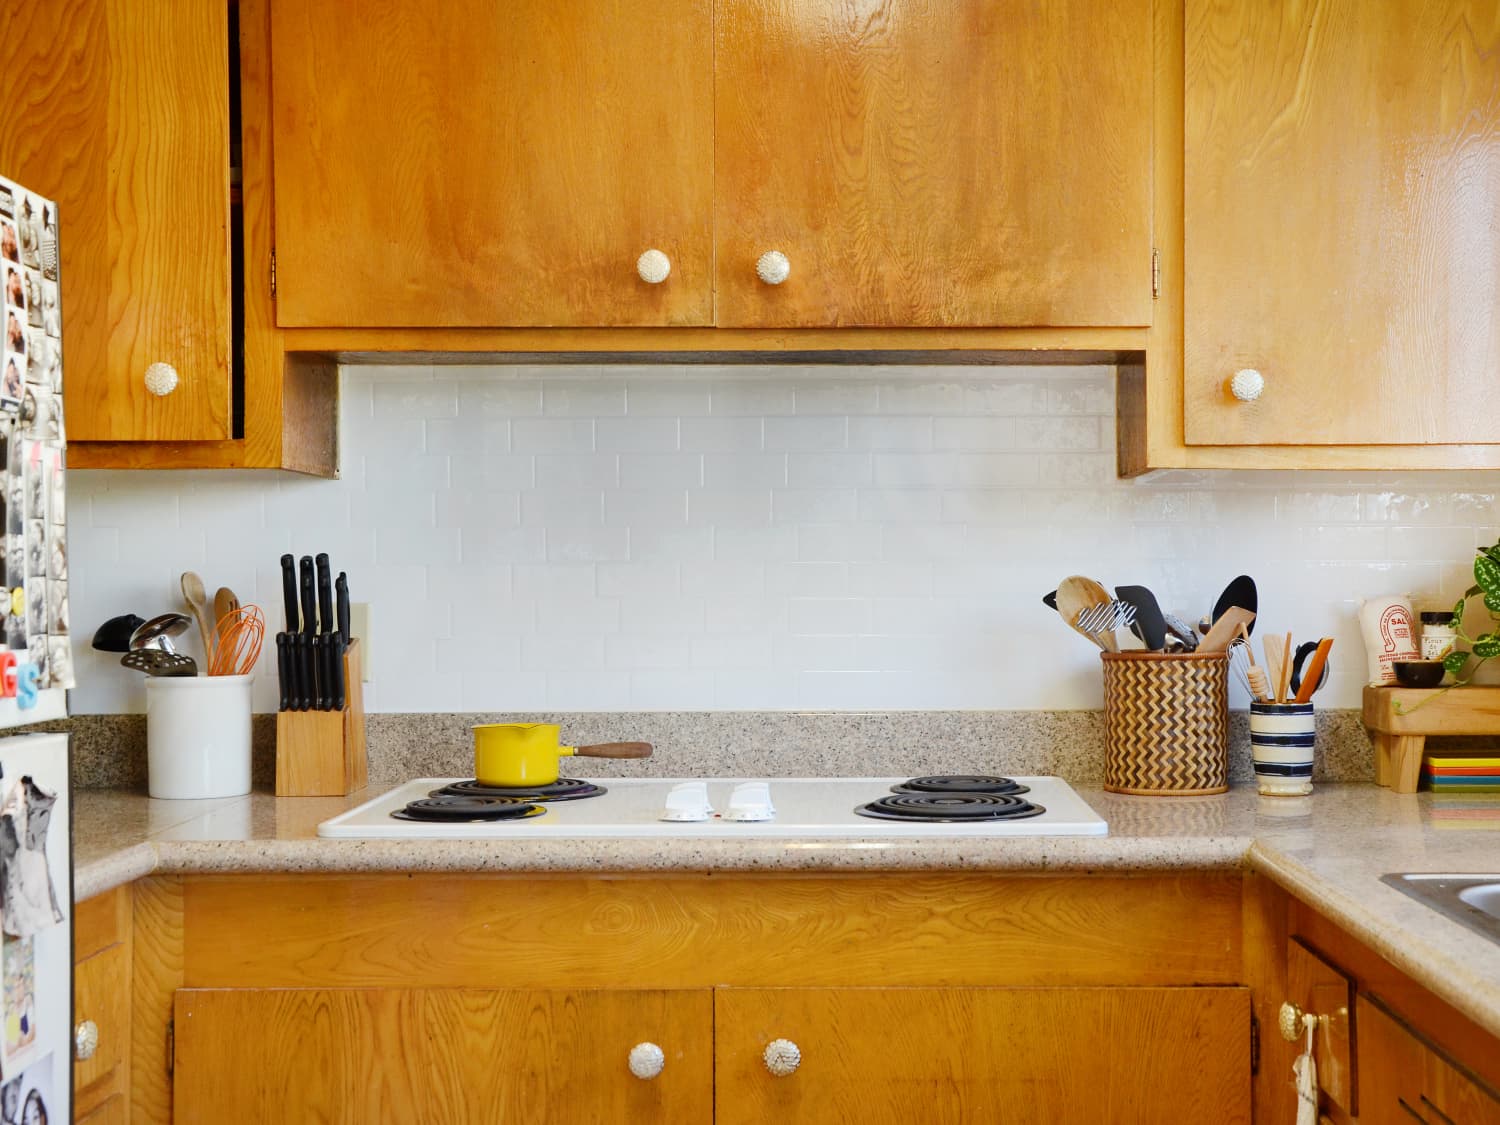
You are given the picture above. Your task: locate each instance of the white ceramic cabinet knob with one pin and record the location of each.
(782, 1057)
(653, 266)
(85, 1040)
(646, 1060)
(161, 379)
(773, 267)
(1247, 384)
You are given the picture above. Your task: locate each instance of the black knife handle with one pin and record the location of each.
(341, 591)
(320, 672)
(325, 596)
(283, 673)
(309, 597)
(307, 677)
(336, 703)
(289, 592)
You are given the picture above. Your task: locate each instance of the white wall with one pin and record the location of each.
(753, 537)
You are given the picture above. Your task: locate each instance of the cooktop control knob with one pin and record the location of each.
(751, 800)
(647, 1060)
(688, 801)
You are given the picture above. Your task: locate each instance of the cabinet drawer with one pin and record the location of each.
(1402, 1079)
(1316, 986)
(101, 993)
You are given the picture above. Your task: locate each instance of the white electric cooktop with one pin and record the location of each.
(805, 808)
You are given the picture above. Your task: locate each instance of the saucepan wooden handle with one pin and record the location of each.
(615, 750)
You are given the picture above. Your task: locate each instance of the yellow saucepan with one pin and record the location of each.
(526, 754)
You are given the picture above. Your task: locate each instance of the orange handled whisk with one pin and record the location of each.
(236, 642)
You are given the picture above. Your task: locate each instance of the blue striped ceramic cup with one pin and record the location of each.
(1282, 736)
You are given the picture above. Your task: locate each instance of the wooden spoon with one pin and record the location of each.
(225, 603)
(1076, 594)
(197, 600)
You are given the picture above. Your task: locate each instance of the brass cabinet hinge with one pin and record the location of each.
(1155, 273)
(171, 1046)
(1254, 1045)
(273, 273)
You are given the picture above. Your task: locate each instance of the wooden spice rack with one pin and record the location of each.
(322, 753)
(1401, 739)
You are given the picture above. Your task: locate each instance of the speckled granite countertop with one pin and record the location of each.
(1329, 849)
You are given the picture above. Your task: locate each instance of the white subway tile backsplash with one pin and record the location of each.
(764, 537)
(803, 434)
(636, 435)
(661, 470)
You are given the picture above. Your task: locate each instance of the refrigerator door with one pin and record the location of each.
(36, 660)
(36, 917)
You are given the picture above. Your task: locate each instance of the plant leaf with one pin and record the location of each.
(1487, 574)
(1458, 613)
(1455, 662)
(1487, 646)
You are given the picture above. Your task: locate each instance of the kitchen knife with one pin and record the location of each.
(341, 591)
(289, 592)
(335, 644)
(308, 654)
(283, 671)
(325, 596)
(323, 646)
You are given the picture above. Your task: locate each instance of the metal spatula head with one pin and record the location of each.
(156, 662)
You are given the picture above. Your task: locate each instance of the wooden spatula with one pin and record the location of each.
(1313, 673)
(1226, 628)
(1274, 646)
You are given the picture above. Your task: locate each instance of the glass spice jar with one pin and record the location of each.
(1438, 634)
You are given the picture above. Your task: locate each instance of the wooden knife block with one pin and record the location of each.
(322, 753)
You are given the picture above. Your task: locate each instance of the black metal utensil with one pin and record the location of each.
(114, 635)
(1149, 625)
(1240, 592)
(289, 593)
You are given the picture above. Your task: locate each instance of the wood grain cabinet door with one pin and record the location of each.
(934, 162)
(1342, 223)
(945, 1055)
(472, 163)
(119, 111)
(459, 1056)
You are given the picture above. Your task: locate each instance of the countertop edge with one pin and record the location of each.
(1450, 978)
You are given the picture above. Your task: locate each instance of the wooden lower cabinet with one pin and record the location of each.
(1401, 1079)
(937, 1055)
(451, 1055)
(870, 1055)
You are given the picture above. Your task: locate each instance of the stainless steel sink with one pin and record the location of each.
(1473, 900)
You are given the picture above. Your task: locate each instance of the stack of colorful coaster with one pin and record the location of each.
(1462, 775)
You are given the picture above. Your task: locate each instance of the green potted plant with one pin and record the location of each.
(1487, 644)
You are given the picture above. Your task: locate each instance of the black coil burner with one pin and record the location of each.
(953, 800)
(977, 783)
(563, 789)
(467, 810)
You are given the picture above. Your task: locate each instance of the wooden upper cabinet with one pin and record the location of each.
(934, 162)
(119, 111)
(1342, 224)
(470, 163)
